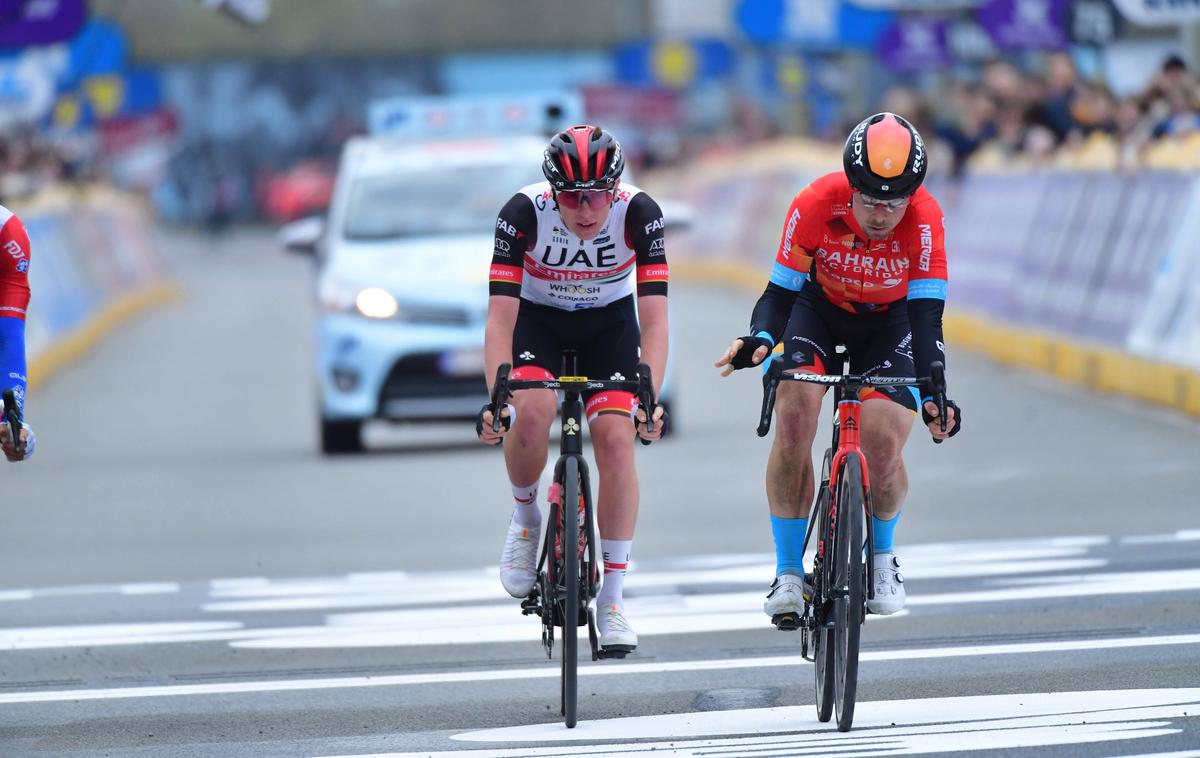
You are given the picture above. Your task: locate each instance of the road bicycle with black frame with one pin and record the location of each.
(840, 584)
(568, 580)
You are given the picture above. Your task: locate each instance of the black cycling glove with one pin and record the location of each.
(659, 424)
(744, 358)
(928, 419)
(505, 421)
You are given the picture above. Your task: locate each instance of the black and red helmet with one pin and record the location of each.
(885, 157)
(583, 158)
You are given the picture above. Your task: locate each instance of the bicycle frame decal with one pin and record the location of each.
(849, 424)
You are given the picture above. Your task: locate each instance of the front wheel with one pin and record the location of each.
(849, 581)
(569, 578)
(823, 643)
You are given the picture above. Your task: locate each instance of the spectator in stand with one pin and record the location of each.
(1172, 100)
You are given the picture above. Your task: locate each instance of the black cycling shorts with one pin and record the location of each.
(606, 340)
(877, 343)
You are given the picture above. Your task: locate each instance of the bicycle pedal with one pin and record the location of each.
(786, 622)
(616, 651)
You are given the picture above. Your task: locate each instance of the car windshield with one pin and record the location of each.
(434, 202)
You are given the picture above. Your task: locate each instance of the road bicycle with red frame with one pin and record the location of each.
(840, 583)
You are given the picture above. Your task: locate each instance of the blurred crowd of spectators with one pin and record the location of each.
(1011, 118)
(30, 162)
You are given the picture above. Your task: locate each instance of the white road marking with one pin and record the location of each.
(551, 670)
(1183, 535)
(898, 727)
(145, 588)
(398, 589)
(91, 635)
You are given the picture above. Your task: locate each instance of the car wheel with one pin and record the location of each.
(341, 437)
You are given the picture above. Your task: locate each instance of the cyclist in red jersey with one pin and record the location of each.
(571, 255)
(14, 299)
(862, 263)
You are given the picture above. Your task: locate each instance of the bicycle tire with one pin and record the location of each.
(849, 578)
(570, 580)
(823, 662)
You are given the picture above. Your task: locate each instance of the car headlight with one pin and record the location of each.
(376, 303)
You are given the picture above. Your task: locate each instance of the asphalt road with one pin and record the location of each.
(182, 575)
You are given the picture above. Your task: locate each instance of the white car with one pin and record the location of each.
(402, 289)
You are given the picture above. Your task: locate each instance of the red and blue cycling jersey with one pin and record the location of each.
(14, 299)
(825, 253)
(824, 249)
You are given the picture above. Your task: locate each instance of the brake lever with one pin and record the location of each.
(12, 417)
(937, 378)
(770, 385)
(500, 394)
(646, 398)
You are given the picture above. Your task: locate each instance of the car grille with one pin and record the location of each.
(434, 314)
(420, 377)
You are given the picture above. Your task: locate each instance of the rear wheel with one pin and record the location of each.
(570, 594)
(822, 635)
(849, 580)
(341, 436)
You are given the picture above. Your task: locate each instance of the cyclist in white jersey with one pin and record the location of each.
(570, 256)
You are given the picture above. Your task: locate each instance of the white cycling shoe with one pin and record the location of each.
(889, 585)
(518, 562)
(785, 601)
(615, 632)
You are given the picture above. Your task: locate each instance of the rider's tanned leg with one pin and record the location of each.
(886, 425)
(617, 504)
(790, 484)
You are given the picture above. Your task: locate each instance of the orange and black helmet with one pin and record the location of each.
(583, 158)
(885, 157)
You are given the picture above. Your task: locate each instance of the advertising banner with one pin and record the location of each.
(1026, 24)
(45, 22)
(1160, 12)
(915, 44)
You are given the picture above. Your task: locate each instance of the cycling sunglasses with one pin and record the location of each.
(574, 198)
(887, 205)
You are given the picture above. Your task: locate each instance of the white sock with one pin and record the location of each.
(616, 563)
(525, 508)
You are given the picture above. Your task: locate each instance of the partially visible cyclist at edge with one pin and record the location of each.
(862, 262)
(14, 299)
(568, 252)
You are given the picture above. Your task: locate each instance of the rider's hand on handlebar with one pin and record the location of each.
(743, 352)
(483, 423)
(929, 414)
(639, 423)
(27, 443)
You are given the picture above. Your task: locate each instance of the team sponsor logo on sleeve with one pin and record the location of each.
(655, 226)
(506, 227)
(926, 246)
(13, 248)
(658, 247)
(23, 265)
(793, 220)
(502, 248)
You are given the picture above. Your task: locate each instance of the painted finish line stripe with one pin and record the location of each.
(402, 680)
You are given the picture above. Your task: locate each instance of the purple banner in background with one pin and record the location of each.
(1026, 24)
(43, 22)
(914, 44)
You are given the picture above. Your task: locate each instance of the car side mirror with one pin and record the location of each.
(302, 236)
